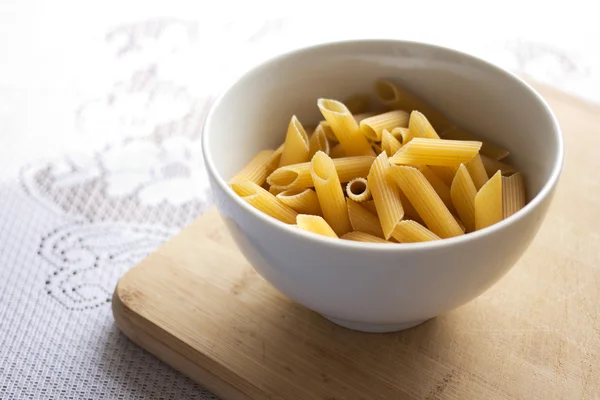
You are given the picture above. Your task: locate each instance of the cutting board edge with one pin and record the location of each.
(131, 324)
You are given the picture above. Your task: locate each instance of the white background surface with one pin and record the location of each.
(100, 112)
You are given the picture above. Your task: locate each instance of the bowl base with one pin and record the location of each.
(374, 328)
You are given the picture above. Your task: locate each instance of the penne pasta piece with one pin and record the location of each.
(477, 172)
(329, 192)
(492, 166)
(513, 194)
(439, 152)
(370, 207)
(408, 231)
(359, 103)
(426, 201)
(318, 142)
(374, 126)
(299, 175)
(345, 128)
(419, 127)
(398, 98)
(389, 143)
(328, 131)
(363, 237)
(359, 117)
(295, 147)
(488, 148)
(376, 148)
(275, 190)
(488, 203)
(362, 220)
(337, 151)
(446, 174)
(463, 192)
(459, 222)
(275, 159)
(256, 170)
(304, 201)
(386, 195)
(403, 135)
(264, 201)
(358, 190)
(438, 185)
(315, 224)
(409, 209)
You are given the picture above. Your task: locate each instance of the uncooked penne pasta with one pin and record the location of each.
(426, 201)
(513, 194)
(359, 103)
(488, 148)
(477, 171)
(298, 175)
(318, 142)
(362, 220)
(408, 231)
(328, 131)
(376, 147)
(358, 190)
(488, 203)
(409, 209)
(420, 127)
(337, 151)
(295, 147)
(399, 98)
(256, 170)
(264, 201)
(385, 194)
(446, 174)
(459, 222)
(274, 190)
(275, 159)
(389, 143)
(405, 174)
(463, 192)
(363, 237)
(374, 126)
(304, 201)
(438, 185)
(439, 152)
(403, 135)
(345, 128)
(359, 117)
(370, 206)
(492, 166)
(315, 224)
(329, 191)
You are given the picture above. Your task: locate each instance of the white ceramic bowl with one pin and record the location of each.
(376, 287)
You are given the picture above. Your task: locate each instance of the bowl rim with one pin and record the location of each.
(544, 192)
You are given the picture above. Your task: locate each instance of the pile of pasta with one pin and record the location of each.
(383, 177)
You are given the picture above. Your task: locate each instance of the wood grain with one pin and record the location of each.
(197, 305)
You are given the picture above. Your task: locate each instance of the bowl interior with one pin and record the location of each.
(254, 113)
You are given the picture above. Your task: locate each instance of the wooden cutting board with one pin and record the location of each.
(197, 305)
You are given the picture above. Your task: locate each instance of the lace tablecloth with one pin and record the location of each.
(101, 110)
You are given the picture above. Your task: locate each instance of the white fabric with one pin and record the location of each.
(100, 114)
